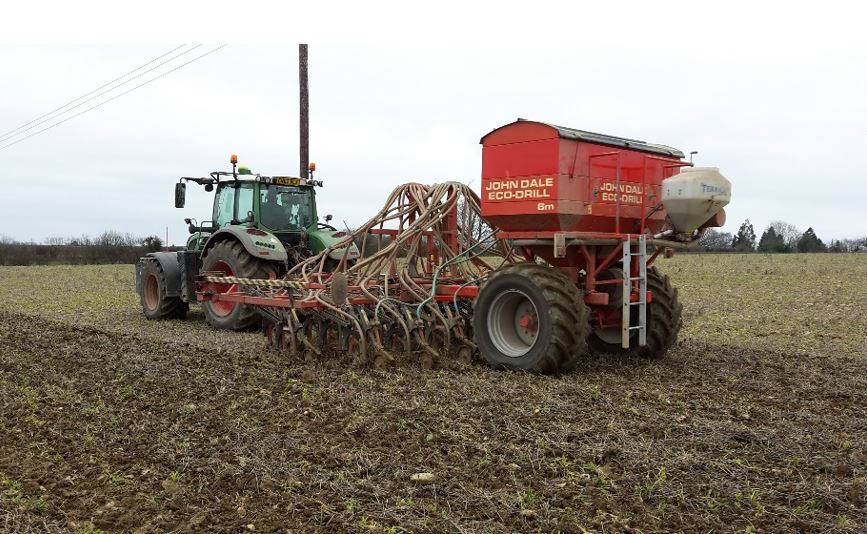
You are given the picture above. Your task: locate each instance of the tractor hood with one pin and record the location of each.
(322, 239)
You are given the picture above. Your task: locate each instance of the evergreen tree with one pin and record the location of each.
(745, 240)
(810, 242)
(789, 234)
(771, 241)
(152, 243)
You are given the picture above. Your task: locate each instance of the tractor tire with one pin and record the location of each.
(663, 322)
(531, 317)
(232, 259)
(154, 302)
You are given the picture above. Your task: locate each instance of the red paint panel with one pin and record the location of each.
(532, 180)
(529, 158)
(527, 131)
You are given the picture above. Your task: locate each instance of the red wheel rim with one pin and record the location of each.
(223, 308)
(152, 292)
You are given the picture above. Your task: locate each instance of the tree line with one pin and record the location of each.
(117, 247)
(778, 237)
(108, 247)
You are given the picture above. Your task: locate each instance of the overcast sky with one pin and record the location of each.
(783, 116)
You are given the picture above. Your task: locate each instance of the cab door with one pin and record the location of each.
(232, 203)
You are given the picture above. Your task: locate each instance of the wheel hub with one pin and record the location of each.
(223, 308)
(152, 292)
(513, 323)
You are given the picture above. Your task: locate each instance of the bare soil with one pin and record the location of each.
(112, 423)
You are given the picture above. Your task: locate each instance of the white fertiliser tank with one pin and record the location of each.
(695, 195)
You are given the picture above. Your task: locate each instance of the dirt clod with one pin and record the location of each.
(423, 478)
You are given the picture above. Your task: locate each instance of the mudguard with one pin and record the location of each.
(196, 240)
(319, 240)
(171, 269)
(258, 243)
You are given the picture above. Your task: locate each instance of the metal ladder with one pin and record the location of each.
(641, 255)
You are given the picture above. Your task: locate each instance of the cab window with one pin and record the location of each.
(224, 206)
(286, 207)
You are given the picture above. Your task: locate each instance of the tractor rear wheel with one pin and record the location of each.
(530, 317)
(663, 323)
(232, 259)
(154, 302)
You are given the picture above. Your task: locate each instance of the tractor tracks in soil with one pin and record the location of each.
(127, 432)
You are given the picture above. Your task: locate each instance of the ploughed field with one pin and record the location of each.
(755, 421)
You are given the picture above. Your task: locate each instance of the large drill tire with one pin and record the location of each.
(663, 322)
(232, 259)
(154, 302)
(530, 317)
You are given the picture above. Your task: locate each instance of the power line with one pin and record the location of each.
(115, 97)
(91, 92)
(5, 137)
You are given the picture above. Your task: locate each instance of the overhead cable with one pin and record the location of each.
(115, 97)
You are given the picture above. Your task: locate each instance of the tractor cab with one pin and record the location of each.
(274, 217)
(283, 206)
(280, 205)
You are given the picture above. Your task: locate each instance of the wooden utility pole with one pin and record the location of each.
(304, 117)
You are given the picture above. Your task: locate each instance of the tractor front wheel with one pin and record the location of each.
(663, 323)
(154, 302)
(232, 259)
(530, 317)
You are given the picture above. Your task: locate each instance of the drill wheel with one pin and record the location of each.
(663, 323)
(530, 317)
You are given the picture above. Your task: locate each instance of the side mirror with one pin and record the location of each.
(209, 187)
(250, 217)
(328, 217)
(180, 194)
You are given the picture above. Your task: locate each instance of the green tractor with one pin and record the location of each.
(261, 226)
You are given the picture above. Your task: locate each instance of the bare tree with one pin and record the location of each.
(789, 232)
(715, 241)
(479, 228)
(854, 245)
(56, 241)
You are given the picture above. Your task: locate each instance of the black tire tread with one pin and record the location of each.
(169, 307)
(666, 319)
(248, 267)
(568, 313)
(667, 314)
